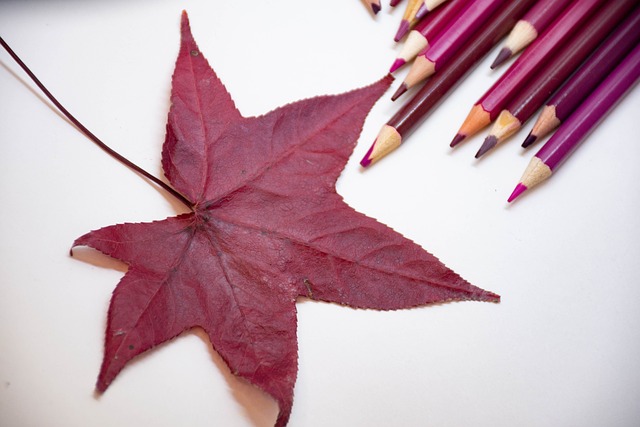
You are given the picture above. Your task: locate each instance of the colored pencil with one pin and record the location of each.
(564, 62)
(588, 76)
(407, 119)
(394, 3)
(586, 117)
(526, 30)
(428, 6)
(531, 61)
(408, 19)
(446, 44)
(374, 5)
(428, 28)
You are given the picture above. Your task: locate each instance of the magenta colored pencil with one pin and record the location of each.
(409, 117)
(588, 76)
(563, 63)
(532, 61)
(532, 24)
(426, 30)
(473, 15)
(586, 117)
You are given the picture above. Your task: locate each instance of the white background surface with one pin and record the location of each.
(561, 349)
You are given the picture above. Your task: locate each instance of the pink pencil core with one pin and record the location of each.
(520, 188)
(404, 29)
(397, 64)
(422, 11)
(366, 160)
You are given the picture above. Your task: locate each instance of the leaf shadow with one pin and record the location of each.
(259, 406)
(97, 259)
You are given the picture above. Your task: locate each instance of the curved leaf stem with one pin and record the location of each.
(90, 135)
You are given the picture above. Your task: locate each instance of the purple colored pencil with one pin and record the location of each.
(532, 24)
(564, 62)
(589, 75)
(586, 117)
(531, 62)
(472, 17)
(409, 117)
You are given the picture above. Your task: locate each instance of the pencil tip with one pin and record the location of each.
(520, 188)
(529, 140)
(375, 8)
(399, 62)
(394, 3)
(366, 160)
(504, 54)
(422, 11)
(401, 89)
(487, 145)
(402, 30)
(457, 140)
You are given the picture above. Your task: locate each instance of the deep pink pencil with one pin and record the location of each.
(589, 115)
(529, 27)
(473, 15)
(587, 77)
(426, 30)
(532, 61)
(564, 62)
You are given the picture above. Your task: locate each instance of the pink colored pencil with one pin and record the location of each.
(587, 77)
(427, 29)
(564, 62)
(532, 61)
(529, 27)
(589, 115)
(473, 15)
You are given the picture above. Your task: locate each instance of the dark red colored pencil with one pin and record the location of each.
(564, 62)
(532, 61)
(586, 117)
(433, 92)
(588, 76)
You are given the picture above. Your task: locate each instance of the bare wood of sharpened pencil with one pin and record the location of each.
(564, 62)
(532, 60)
(587, 77)
(412, 113)
(374, 5)
(533, 23)
(425, 31)
(580, 124)
(472, 17)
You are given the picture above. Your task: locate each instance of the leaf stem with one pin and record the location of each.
(91, 136)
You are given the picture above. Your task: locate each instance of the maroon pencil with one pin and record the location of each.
(446, 44)
(564, 62)
(532, 61)
(407, 119)
(526, 30)
(588, 76)
(569, 136)
(425, 31)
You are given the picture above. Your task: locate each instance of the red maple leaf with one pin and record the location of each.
(266, 228)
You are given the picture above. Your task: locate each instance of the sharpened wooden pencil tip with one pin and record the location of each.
(520, 188)
(489, 142)
(530, 139)
(375, 8)
(401, 89)
(504, 54)
(399, 62)
(422, 11)
(366, 160)
(457, 140)
(402, 30)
